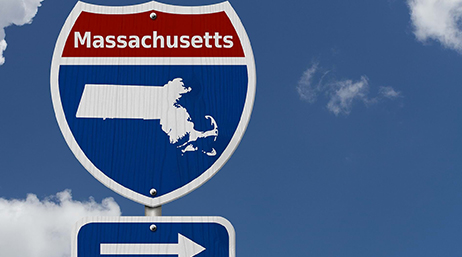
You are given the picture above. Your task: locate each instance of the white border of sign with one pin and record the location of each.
(239, 133)
(163, 219)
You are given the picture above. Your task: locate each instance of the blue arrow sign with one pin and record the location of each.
(172, 236)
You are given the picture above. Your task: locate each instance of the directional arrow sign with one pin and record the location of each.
(184, 248)
(135, 236)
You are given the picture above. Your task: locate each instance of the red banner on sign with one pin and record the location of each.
(168, 35)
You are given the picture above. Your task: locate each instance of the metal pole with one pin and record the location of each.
(153, 211)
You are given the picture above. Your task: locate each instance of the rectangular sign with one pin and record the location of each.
(154, 236)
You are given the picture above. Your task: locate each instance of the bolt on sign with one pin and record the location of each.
(153, 99)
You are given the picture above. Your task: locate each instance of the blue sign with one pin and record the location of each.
(150, 107)
(154, 236)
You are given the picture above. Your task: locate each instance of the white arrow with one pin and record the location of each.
(184, 248)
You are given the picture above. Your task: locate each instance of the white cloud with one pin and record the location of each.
(342, 94)
(308, 90)
(439, 20)
(345, 92)
(34, 228)
(389, 92)
(2, 48)
(17, 12)
(305, 87)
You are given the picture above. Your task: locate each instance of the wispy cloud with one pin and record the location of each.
(305, 88)
(438, 20)
(42, 228)
(341, 93)
(389, 92)
(17, 12)
(308, 90)
(344, 92)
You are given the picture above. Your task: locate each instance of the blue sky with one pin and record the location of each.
(375, 173)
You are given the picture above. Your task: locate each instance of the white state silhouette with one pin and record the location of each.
(147, 103)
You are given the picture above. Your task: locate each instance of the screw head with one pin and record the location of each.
(153, 16)
(153, 228)
(153, 192)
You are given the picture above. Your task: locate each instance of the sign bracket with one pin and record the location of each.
(153, 211)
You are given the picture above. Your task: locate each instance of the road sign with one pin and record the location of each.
(154, 236)
(153, 99)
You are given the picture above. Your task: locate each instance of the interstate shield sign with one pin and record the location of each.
(153, 99)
